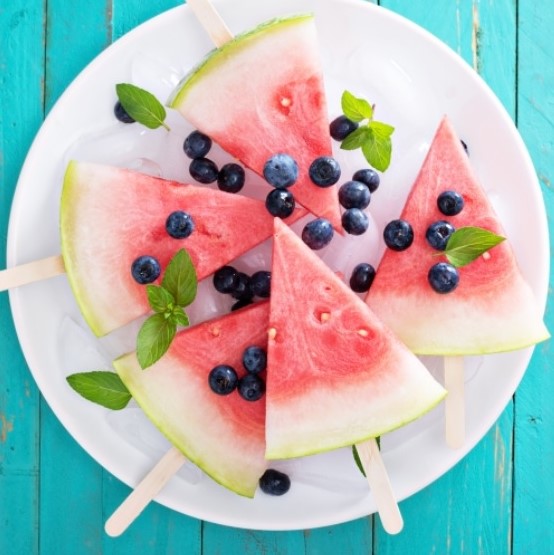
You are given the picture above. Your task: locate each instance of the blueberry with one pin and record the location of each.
(179, 224)
(398, 235)
(197, 145)
(203, 170)
(145, 269)
(317, 233)
(254, 359)
(121, 114)
(242, 290)
(369, 177)
(231, 178)
(450, 203)
(274, 482)
(438, 233)
(225, 279)
(443, 277)
(241, 303)
(280, 203)
(355, 221)
(223, 379)
(362, 277)
(281, 171)
(260, 284)
(341, 127)
(354, 194)
(251, 387)
(324, 171)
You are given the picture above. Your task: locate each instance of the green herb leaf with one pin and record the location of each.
(101, 387)
(180, 278)
(154, 338)
(468, 243)
(179, 316)
(357, 460)
(356, 139)
(355, 109)
(141, 105)
(160, 298)
(382, 130)
(377, 151)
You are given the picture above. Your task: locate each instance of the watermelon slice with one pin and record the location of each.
(110, 216)
(262, 93)
(336, 375)
(492, 309)
(223, 435)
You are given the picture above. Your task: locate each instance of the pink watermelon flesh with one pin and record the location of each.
(110, 216)
(336, 375)
(492, 309)
(223, 435)
(262, 94)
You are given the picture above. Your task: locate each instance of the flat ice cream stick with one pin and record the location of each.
(144, 492)
(33, 271)
(454, 408)
(380, 485)
(211, 21)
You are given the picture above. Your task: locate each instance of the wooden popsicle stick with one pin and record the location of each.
(33, 271)
(210, 19)
(454, 408)
(380, 486)
(144, 492)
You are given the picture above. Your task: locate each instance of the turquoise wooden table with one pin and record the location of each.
(54, 499)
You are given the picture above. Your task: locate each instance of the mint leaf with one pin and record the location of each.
(160, 298)
(468, 243)
(154, 338)
(383, 130)
(357, 460)
(141, 105)
(377, 151)
(179, 316)
(180, 278)
(355, 109)
(101, 387)
(356, 139)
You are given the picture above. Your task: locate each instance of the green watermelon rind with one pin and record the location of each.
(123, 366)
(67, 225)
(218, 56)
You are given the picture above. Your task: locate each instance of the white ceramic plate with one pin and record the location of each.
(413, 79)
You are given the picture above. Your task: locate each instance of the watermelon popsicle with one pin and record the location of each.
(491, 310)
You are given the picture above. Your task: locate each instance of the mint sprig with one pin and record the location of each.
(372, 136)
(141, 105)
(101, 387)
(178, 290)
(468, 243)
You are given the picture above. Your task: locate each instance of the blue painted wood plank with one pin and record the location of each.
(21, 111)
(223, 540)
(534, 410)
(130, 13)
(469, 509)
(70, 480)
(354, 538)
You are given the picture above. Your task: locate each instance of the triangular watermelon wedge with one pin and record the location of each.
(223, 435)
(110, 216)
(336, 375)
(262, 93)
(493, 309)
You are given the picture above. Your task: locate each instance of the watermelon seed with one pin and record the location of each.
(215, 331)
(286, 102)
(363, 333)
(272, 333)
(324, 317)
(486, 255)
